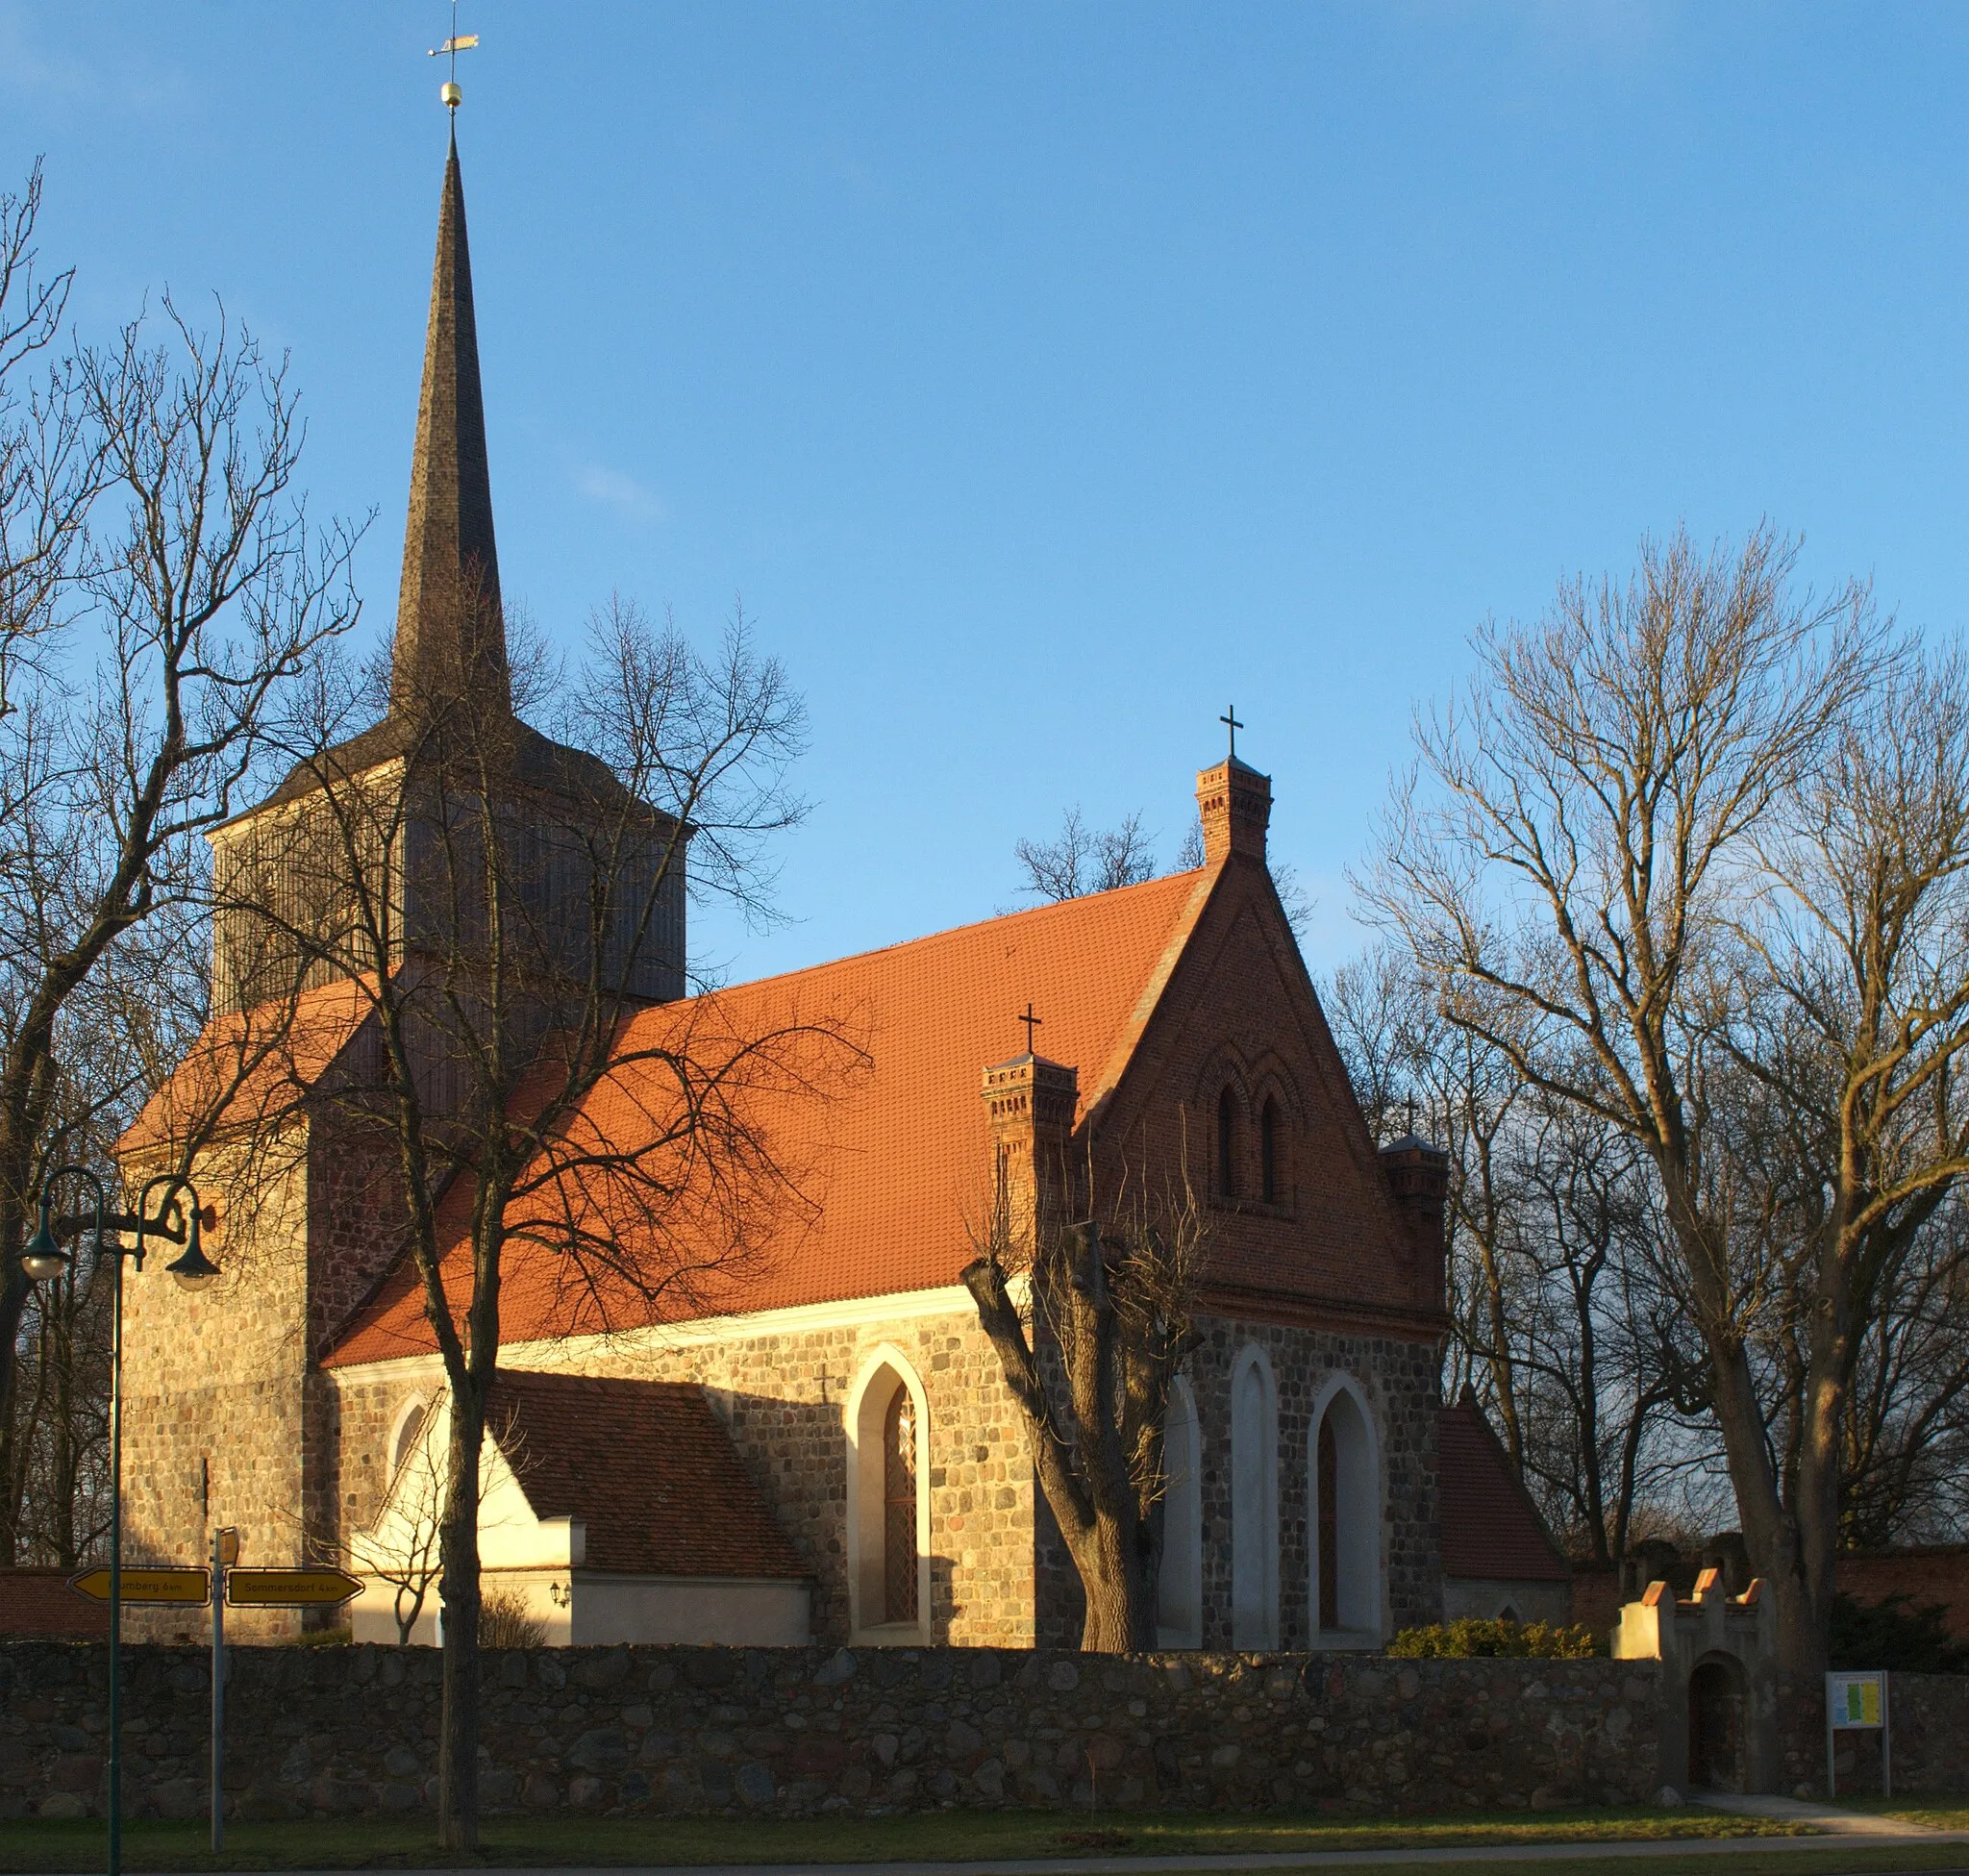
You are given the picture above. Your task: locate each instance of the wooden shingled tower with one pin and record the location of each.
(450, 627)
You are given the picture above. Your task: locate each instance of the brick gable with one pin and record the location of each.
(1238, 1011)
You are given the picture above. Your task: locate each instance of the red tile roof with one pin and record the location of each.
(41, 1602)
(873, 1168)
(647, 1465)
(250, 1069)
(1490, 1528)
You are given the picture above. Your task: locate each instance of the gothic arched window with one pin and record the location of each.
(408, 1428)
(1268, 1151)
(1254, 1503)
(1227, 1145)
(889, 1510)
(1345, 1485)
(1179, 1586)
(899, 1508)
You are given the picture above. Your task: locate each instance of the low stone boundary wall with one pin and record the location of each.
(803, 1731)
(1930, 1717)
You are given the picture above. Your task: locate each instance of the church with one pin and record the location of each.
(820, 1446)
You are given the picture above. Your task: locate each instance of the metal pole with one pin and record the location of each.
(115, 1559)
(218, 1696)
(1886, 1738)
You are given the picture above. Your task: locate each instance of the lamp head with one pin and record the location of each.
(194, 1270)
(43, 1260)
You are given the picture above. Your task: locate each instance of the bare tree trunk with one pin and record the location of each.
(458, 1591)
(1117, 1308)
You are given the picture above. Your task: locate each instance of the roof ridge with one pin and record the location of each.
(1054, 905)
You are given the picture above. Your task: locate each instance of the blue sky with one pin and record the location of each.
(1045, 377)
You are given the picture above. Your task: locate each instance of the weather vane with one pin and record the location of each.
(449, 91)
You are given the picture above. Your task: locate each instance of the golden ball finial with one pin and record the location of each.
(450, 96)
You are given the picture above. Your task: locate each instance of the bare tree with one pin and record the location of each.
(1855, 1036)
(1556, 1322)
(1087, 859)
(506, 911)
(1090, 1361)
(1572, 879)
(161, 588)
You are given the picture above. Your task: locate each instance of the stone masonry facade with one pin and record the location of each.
(797, 1732)
(1000, 1576)
(228, 1420)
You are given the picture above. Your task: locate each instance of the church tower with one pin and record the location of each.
(371, 857)
(359, 859)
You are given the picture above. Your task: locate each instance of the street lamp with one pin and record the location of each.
(44, 1260)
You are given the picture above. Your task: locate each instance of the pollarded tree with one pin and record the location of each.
(1090, 1317)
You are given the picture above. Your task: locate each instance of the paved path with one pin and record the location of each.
(1835, 1820)
(1889, 1835)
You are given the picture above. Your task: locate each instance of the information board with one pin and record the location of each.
(1858, 1703)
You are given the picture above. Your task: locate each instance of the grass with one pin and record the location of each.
(377, 1843)
(1938, 1813)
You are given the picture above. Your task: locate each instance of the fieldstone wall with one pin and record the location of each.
(781, 1396)
(1929, 1717)
(1400, 1381)
(1000, 1576)
(804, 1732)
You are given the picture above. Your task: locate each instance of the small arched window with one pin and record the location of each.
(1268, 1151)
(899, 1508)
(1227, 1145)
(406, 1441)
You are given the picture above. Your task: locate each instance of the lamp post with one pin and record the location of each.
(44, 1260)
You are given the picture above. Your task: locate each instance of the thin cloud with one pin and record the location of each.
(626, 495)
(32, 69)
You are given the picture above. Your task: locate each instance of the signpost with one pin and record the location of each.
(1858, 1703)
(189, 1588)
(225, 1553)
(288, 1589)
(223, 1584)
(250, 1590)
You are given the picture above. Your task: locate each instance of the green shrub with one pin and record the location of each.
(1469, 1639)
(1895, 1634)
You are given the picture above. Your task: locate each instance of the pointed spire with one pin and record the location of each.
(450, 630)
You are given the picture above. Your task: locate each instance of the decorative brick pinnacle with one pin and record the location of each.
(1235, 804)
(1029, 1107)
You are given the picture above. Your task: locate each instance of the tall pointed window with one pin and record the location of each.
(1344, 1482)
(1268, 1151)
(1254, 1503)
(408, 1427)
(1329, 1496)
(1179, 1586)
(899, 1508)
(889, 1430)
(1227, 1145)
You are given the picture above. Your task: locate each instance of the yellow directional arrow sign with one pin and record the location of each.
(264, 1589)
(147, 1586)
